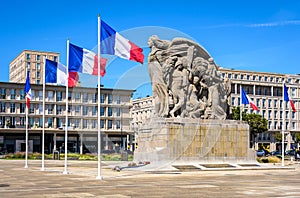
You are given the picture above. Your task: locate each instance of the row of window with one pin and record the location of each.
(256, 78)
(49, 123)
(59, 109)
(38, 57)
(59, 96)
(262, 102)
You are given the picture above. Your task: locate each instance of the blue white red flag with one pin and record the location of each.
(56, 73)
(27, 90)
(115, 44)
(247, 100)
(287, 98)
(85, 61)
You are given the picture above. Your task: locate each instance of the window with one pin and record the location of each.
(110, 99)
(77, 97)
(109, 123)
(85, 97)
(50, 122)
(94, 124)
(31, 108)
(94, 99)
(69, 95)
(118, 112)
(102, 98)
(248, 77)
(229, 75)
(275, 114)
(264, 103)
(102, 111)
(40, 124)
(257, 102)
(242, 76)
(293, 115)
(59, 122)
(118, 124)
(38, 74)
(275, 125)
(254, 78)
(2, 107)
(109, 111)
(275, 103)
(55, 58)
(27, 56)
(3, 93)
(77, 109)
(13, 94)
(50, 96)
(40, 109)
(28, 65)
(235, 76)
(102, 124)
(264, 113)
(118, 99)
(38, 57)
(31, 122)
(32, 95)
(85, 124)
(58, 96)
(271, 79)
(22, 94)
(38, 82)
(269, 103)
(266, 78)
(94, 110)
(76, 123)
(270, 114)
(85, 110)
(12, 107)
(22, 108)
(58, 110)
(40, 95)
(293, 92)
(50, 109)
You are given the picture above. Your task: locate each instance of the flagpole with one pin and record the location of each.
(43, 132)
(283, 126)
(99, 93)
(66, 123)
(26, 130)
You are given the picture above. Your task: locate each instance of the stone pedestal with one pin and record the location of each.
(185, 139)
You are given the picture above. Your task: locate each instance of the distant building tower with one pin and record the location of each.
(34, 62)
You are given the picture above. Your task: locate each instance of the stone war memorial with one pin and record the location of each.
(191, 121)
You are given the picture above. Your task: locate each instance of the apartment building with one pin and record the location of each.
(33, 61)
(82, 111)
(265, 89)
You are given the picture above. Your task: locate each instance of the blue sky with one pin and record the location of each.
(247, 35)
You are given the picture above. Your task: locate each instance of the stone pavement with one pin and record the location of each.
(16, 181)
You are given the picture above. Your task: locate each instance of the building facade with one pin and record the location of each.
(115, 112)
(32, 61)
(265, 89)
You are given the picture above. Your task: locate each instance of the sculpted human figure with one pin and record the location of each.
(195, 106)
(159, 86)
(178, 87)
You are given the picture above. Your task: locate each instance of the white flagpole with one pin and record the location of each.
(26, 129)
(283, 126)
(43, 132)
(99, 93)
(66, 124)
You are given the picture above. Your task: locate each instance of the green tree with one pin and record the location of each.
(257, 123)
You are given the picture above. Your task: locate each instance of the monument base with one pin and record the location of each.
(193, 140)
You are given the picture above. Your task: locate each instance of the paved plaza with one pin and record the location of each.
(16, 181)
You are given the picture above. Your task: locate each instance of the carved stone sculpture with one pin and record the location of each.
(186, 81)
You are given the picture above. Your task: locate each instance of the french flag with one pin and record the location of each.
(56, 73)
(287, 98)
(114, 44)
(27, 90)
(247, 100)
(85, 61)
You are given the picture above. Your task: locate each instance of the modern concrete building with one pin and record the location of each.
(265, 89)
(33, 61)
(115, 112)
